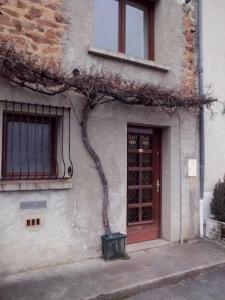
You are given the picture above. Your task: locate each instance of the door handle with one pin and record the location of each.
(157, 186)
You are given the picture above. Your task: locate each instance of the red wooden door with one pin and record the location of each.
(143, 184)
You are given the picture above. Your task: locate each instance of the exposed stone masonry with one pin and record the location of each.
(35, 27)
(190, 59)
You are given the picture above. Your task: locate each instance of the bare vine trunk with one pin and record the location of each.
(85, 117)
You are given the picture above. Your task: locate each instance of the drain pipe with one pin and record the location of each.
(201, 117)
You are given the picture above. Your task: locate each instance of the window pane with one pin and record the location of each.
(106, 24)
(28, 147)
(136, 30)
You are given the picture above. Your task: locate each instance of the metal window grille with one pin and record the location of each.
(35, 142)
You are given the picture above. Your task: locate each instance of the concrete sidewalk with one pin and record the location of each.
(95, 279)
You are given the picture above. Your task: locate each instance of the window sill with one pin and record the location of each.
(129, 59)
(30, 185)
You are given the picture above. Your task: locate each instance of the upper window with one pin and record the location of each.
(125, 26)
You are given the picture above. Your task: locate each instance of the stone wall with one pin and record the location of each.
(190, 78)
(33, 26)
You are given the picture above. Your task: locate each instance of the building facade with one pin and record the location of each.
(50, 193)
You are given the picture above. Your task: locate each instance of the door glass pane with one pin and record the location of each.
(133, 215)
(133, 141)
(136, 30)
(133, 178)
(146, 195)
(28, 147)
(133, 196)
(147, 177)
(146, 160)
(133, 160)
(106, 24)
(147, 213)
(146, 142)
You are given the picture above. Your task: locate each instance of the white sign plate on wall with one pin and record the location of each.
(192, 167)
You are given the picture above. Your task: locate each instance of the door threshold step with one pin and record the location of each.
(147, 245)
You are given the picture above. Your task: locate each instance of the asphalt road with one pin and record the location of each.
(207, 286)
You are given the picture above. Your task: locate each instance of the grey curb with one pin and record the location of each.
(152, 284)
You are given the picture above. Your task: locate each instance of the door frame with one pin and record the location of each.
(143, 128)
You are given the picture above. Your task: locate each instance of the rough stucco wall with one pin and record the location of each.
(72, 222)
(189, 84)
(35, 27)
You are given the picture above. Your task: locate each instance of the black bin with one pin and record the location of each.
(113, 246)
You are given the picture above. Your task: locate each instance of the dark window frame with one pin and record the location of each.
(52, 121)
(122, 26)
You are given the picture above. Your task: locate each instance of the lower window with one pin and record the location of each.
(32, 144)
